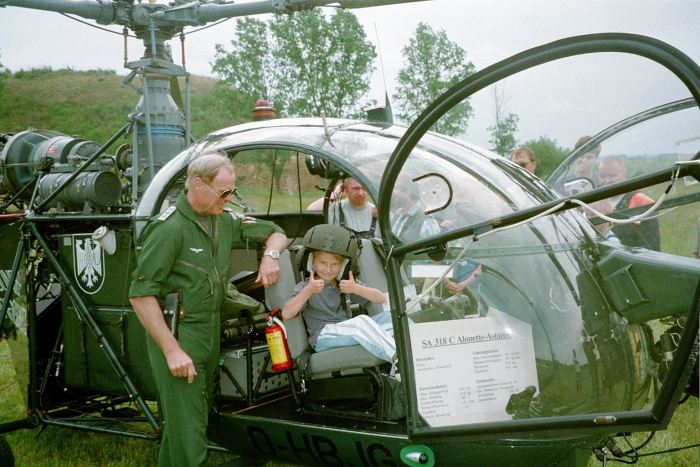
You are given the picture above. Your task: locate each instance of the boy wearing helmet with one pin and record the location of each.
(323, 297)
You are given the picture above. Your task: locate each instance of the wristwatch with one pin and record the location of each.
(274, 254)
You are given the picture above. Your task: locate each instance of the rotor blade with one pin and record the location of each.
(100, 10)
(193, 12)
(207, 12)
(370, 3)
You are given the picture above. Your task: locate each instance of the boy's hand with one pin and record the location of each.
(349, 285)
(315, 286)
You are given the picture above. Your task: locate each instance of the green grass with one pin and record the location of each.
(682, 431)
(94, 104)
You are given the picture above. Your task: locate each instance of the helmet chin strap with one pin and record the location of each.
(343, 269)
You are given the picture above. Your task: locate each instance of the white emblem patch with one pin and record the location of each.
(245, 219)
(167, 213)
(197, 250)
(88, 263)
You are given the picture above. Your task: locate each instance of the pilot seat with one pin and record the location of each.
(345, 379)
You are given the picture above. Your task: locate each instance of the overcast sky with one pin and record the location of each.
(488, 30)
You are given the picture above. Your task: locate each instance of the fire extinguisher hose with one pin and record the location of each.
(278, 321)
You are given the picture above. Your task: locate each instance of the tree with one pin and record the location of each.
(304, 63)
(246, 68)
(548, 154)
(503, 132)
(432, 64)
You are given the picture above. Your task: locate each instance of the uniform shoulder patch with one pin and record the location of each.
(242, 217)
(167, 213)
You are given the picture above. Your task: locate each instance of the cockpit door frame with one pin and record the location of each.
(656, 418)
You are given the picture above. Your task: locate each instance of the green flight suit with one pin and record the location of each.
(177, 254)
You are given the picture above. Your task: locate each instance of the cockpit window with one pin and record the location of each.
(548, 317)
(275, 180)
(511, 327)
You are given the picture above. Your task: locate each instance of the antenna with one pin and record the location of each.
(381, 113)
(381, 61)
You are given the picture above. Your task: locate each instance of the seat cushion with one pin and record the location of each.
(343, 360)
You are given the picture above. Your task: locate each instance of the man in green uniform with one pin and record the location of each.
(187, 250)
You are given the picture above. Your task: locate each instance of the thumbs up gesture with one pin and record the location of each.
(349, 285)
(315, 286)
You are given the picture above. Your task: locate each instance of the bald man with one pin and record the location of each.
(643, 234)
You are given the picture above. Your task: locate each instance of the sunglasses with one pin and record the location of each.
(222, 194)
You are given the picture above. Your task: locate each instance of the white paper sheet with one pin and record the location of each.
(467, 369)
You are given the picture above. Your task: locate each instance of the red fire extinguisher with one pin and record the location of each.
(276, 336)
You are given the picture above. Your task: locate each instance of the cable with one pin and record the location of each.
(667, 451)
(647, 441)
(207, 26)
(614, 220)
(136, 37)
(633, 450)
(94, 26)
(644, 215)
(690, 446)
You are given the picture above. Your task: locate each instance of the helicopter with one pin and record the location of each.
(565, 341)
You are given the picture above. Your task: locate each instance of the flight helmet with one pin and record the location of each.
(332, 239)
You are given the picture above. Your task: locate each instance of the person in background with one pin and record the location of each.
(644, 233)
(585, 163)
(464, 274)
(187, 250)
(525, 158)
(354, 211)
(604, 206)
(317, 205)
(408, 220)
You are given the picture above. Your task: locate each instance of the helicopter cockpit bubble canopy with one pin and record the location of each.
(517, 313)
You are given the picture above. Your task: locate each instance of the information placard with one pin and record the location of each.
(467, 369)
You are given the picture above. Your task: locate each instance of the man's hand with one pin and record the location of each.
(456, 287)
(151, 317)
(349, 286)
(315, 286)
(269, 271)
(180, 365)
